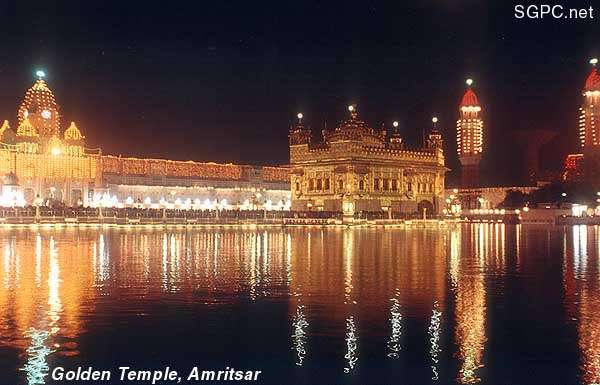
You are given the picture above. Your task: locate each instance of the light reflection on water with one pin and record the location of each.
(394, 343)
(350, 286)
(434, 340)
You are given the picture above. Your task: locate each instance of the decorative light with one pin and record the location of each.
(351, 108)
(300, 115)
(395, 124)
(55, 151)
(469, 82)
(434, 119)
(40, 74)
(594, 61)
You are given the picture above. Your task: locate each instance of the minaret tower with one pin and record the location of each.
(469, 137)
(299, 135)
(589, 129)
(435, 139)
(589, 126)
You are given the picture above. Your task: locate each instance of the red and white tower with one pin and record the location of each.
(589, 126)
(589, 129)
(469, 137)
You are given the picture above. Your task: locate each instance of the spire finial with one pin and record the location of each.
(300, 115)
(594, 61)
(40, 74)
(353, 112)
(469, 82)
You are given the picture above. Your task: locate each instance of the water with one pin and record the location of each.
(486, 303)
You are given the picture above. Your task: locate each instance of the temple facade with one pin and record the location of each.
(40, 163)
(355, 168)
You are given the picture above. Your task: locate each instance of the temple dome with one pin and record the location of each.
(469, 99)
(73, 134)
(592, 83)
(4, 127)
(40, 107)
(26, 129)
(354, 129)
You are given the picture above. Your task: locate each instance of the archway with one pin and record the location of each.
(426, 207)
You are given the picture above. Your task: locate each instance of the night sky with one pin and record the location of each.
(222, 80)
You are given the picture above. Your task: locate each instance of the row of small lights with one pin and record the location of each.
(106, 200)
(490, 211)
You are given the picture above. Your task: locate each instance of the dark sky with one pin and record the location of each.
(222, 80)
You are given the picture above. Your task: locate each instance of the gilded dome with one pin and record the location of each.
(7, 135)
(354, 129)
(4, 127)
(39, 106)
(27, 130)
(73, 134)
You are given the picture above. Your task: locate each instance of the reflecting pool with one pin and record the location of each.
(479, 303)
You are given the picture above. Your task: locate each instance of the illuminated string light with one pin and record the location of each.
(589, 135)
(469, 132)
